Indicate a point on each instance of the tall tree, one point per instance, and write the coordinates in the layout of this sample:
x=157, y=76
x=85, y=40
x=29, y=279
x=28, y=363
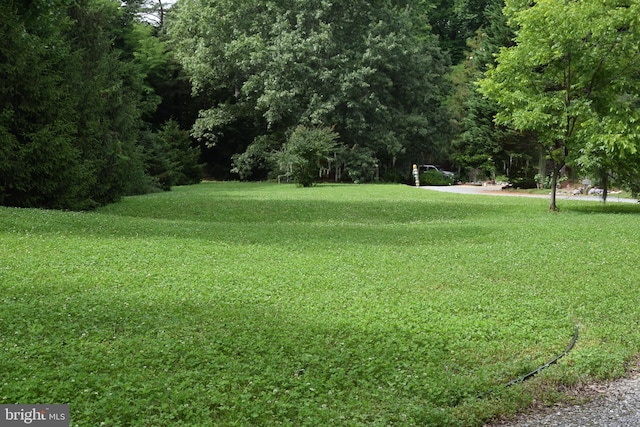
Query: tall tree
x=455, y=22
x=75, y=91
x=364, y=68
x=109, y=110
x=572, y=77
x=480, y=147
x=41, y=165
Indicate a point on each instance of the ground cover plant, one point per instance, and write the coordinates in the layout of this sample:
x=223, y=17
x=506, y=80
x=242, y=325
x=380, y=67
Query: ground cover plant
x=264, y=304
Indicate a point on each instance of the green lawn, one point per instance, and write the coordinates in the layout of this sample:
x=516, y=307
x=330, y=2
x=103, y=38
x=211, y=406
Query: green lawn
x=263, y=304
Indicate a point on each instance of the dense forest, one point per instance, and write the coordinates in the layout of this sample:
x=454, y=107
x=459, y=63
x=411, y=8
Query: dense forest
x=105, y=98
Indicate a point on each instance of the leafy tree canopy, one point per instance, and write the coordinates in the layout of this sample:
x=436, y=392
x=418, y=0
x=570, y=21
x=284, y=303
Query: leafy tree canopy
x=363, y=68
x=572, y=77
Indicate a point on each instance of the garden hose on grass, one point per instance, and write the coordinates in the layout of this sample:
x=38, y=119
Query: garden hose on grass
x=546, y=365
x=536, y=371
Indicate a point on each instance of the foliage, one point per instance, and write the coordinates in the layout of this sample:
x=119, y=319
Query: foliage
x=76, y=89
x=181, y=153
x=170, y=158
x=546, y=181
x=572, y=78
x=258, y=157
x=357, y=67
x=110, y=109
x=433, y=177
x=41, y=166
x=360, y=164
x=307, y=151
x=479, y=144
x=456, y=21
x=261, y=304
x=71, y=106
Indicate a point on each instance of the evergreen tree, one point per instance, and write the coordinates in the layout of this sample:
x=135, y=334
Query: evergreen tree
x=73, y=98
x=481, y=148
x=41, y=163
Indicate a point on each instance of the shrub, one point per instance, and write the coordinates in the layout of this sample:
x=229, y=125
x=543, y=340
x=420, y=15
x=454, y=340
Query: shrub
x=395, y=176
x=524, y=183
x=302, y=156
x=433, y=177
x=360, y=164
x=182, y=155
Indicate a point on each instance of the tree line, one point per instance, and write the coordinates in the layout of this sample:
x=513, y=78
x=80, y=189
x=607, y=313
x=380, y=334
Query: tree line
x=81, y=118
x=575, y=86
x=370, y=78
x=103, y=98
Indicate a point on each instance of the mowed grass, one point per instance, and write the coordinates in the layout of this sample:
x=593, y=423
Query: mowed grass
x=261, y=304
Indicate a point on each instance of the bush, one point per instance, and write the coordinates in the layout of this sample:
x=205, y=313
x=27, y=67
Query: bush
x=169, y=158
x=360, y=164
x=304, y=153
x=524, y=183
x=433, y=177
x=395, y=176
x=182, y=155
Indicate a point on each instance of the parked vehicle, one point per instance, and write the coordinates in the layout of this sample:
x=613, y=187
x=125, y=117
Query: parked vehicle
x=427, y=168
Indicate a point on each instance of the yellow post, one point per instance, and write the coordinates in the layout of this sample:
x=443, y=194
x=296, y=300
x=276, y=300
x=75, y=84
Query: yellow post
x=416, y=175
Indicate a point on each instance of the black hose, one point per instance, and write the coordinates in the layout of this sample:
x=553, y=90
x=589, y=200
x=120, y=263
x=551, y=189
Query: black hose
x=536, y=371
x=546, y=365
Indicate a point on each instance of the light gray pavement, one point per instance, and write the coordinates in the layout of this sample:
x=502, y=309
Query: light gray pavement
x=496, y=190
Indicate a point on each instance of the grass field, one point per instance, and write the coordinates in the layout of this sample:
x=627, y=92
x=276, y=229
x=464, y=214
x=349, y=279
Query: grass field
x=262, y=304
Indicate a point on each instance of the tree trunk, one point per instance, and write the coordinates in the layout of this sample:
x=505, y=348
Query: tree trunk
x=554, y=182
x=161, y=12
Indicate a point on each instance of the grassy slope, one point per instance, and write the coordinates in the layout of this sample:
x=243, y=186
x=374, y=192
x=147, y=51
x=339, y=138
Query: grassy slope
x=258, y=304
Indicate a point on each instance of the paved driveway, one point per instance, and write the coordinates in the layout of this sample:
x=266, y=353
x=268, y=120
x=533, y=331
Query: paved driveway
x=496, y=190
